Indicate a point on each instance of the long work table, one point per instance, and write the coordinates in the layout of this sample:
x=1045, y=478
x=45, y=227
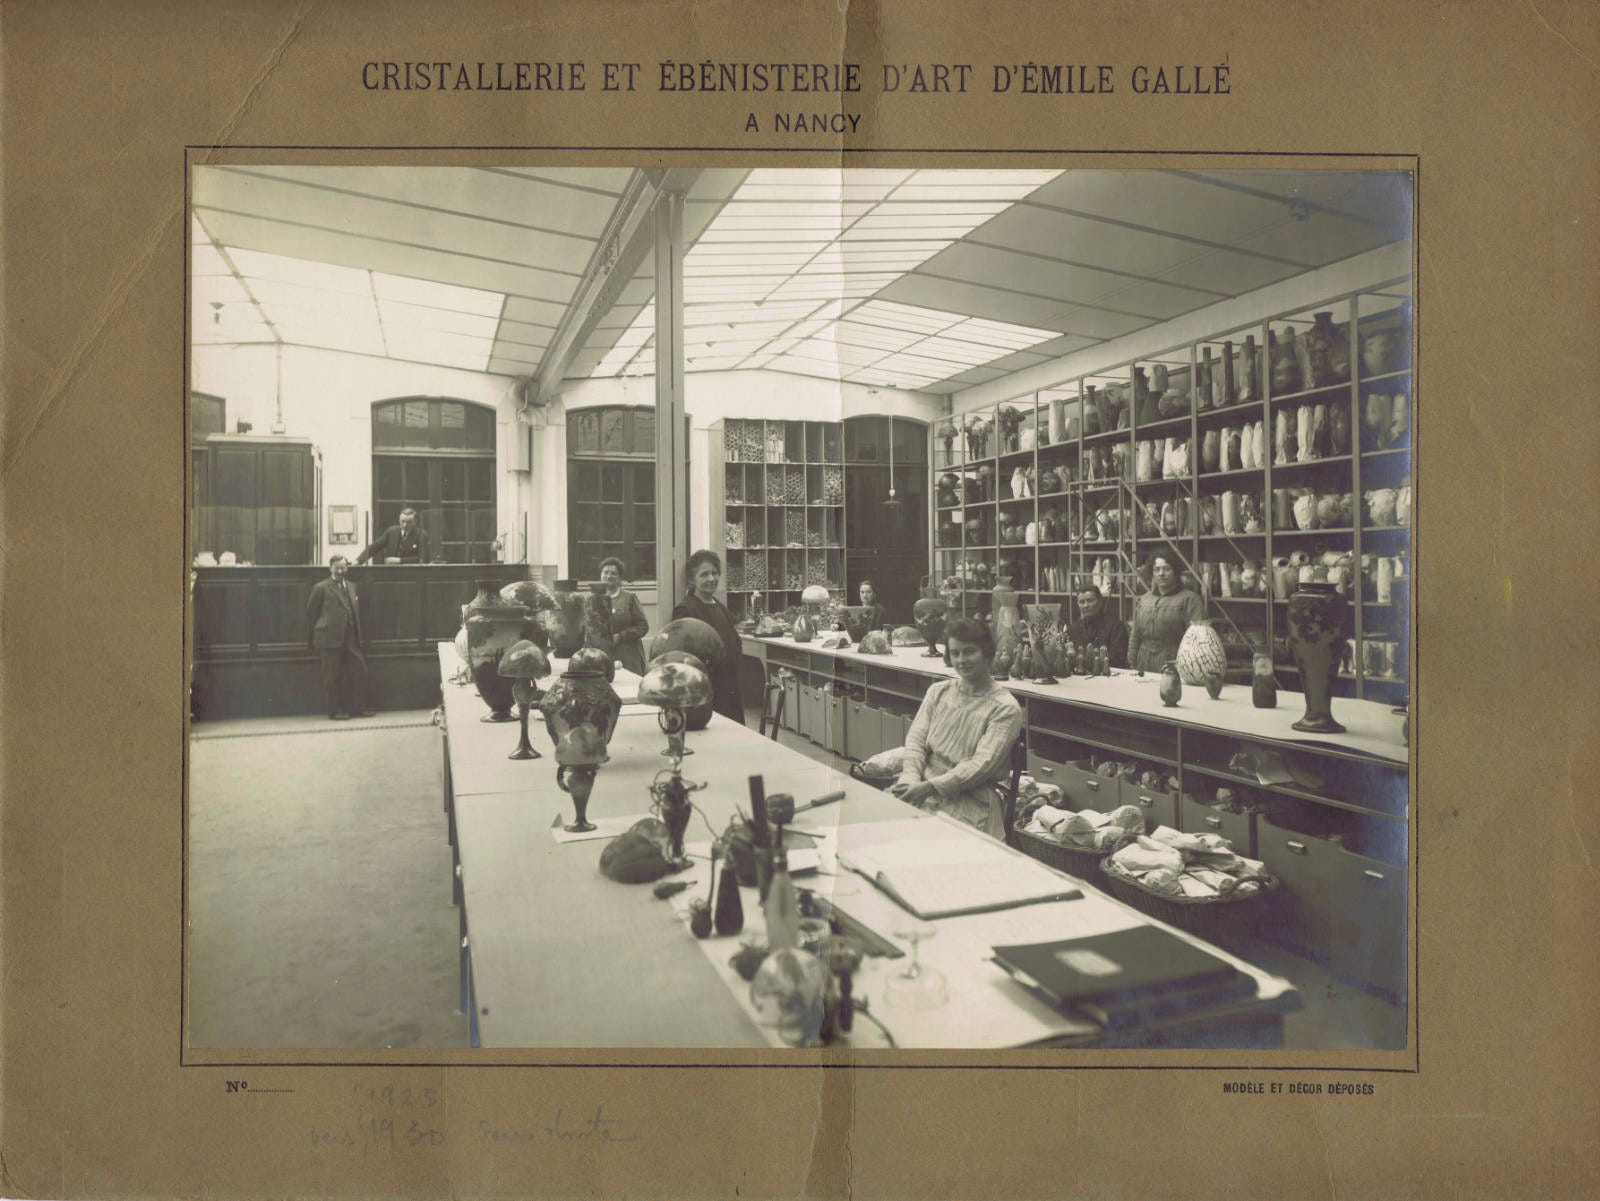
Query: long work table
x=1327, y=813
x=555, y=955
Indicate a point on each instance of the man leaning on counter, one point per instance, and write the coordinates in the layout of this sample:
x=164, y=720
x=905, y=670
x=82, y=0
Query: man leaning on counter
x=403, y=543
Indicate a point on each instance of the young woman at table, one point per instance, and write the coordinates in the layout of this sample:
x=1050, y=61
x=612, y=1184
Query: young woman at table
x=877, y=619
x=1162, y=615
x=704, y=573
x=628, y=624
x=959, y=746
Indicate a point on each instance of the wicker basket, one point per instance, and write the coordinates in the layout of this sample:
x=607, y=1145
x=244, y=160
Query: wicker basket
x=1209, y=917
x=1051, y=853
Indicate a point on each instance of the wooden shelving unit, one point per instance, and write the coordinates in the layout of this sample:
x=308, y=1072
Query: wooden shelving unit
x=777, y=509
x=1163, y=452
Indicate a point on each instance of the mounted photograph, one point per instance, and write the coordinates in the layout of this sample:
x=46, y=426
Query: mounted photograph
x=699, y=608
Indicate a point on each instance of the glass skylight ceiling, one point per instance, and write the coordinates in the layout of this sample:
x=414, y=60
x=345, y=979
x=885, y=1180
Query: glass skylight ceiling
x=782, y=278
x=248, y=296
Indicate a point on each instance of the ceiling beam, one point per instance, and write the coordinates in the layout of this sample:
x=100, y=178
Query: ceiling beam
x=628, y=237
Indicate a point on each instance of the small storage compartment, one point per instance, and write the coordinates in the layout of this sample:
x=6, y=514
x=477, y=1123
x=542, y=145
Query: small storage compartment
x=1238, y=828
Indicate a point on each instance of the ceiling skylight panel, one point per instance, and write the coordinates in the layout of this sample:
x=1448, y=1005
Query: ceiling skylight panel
x=953, y=351
x=363, y=339
x=810, y=175
x=442, y=320
x=713, y=314
x=823, y=221
x=982, y=177
x=744, y=253
x=1016, y=337
x=967, y=191
x=721, y=290
x=879, y=337
x=843, y=193
x=920, y=364
x=949, y=229
x=713, y=362
x=716, y=236
x=891, y=379
x=275, y=298
x=904, y=316
x=981, y=210
x=205, y=259
x=435, y=295
x=803, y=366
x=307, y=274
x=835, y=352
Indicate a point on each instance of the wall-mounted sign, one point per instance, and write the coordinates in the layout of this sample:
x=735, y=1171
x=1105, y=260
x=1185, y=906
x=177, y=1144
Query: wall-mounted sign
x=341, y=524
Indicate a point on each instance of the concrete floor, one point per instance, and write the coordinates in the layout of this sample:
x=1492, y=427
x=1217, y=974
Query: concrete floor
x=319, y=903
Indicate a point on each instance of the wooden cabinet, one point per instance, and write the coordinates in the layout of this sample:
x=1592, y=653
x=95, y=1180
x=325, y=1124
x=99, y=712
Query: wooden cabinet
x=264, y=497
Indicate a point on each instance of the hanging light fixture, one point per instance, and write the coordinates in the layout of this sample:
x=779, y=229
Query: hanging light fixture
x=894, y=504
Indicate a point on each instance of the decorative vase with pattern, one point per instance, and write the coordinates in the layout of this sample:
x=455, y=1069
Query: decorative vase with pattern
x=1316, y=630
x=1245, y=376
x=1201, y=654
x=1285, y=365
x=580, y=698
x=1327, y=350
x=1263, y=683
x=493, y=627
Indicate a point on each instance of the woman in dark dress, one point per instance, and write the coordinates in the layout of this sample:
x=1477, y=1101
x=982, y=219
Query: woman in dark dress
x=628, y=623
x=704, y=573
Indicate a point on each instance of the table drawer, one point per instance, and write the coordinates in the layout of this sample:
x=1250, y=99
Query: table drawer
x=1238, y=828
x=1080, y=787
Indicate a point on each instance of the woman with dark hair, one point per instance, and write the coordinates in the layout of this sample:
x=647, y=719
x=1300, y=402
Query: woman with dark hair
x=628, y=624
x=876, y=619
x=703, y=573
x=1162, y=615
x=959, y=746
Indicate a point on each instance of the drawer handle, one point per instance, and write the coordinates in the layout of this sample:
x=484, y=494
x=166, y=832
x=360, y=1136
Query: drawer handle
x=1146, y=801
x=1092, y=785
x=1372, y=875
x=1299, y=848
x=1214, y=822
x=458, y=871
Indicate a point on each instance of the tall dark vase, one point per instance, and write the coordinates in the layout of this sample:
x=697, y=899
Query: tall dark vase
x=1316, y=631
x=1327, y=351
x=581, y=698
x=1285, y=364
x=493, y=627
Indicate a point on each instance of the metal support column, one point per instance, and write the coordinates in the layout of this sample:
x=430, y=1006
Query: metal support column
x=672, y=453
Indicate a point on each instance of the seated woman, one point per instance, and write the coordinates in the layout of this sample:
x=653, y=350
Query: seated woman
x=1162, y=615
x=703, y=573
x=959, y=746
x=875, y=620
x=628, y=623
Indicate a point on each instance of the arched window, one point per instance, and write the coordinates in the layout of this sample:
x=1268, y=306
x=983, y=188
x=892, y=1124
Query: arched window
x=436, y=456
x=611, y=490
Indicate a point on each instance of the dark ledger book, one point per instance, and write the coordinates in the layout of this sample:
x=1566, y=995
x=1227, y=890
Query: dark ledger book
x=1126, y=978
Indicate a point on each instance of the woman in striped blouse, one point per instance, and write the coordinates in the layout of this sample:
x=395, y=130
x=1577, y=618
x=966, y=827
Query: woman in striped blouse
x=959, y=746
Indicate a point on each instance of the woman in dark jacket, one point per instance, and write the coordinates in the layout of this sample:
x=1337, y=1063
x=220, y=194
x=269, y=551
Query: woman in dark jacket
x=704, y=573
x=628, y=623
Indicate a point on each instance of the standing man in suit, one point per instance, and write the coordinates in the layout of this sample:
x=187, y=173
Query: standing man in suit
x=333, y=630
x=404, y=542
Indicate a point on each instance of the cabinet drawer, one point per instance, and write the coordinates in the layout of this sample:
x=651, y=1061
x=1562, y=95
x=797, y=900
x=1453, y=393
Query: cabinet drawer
x=1238, y=828
x=817, y=716
x=1080, y=787
x=895, y=728
x=1345, y=908
x=863, y=730
x=835, y=738
x=1159, y=808
x=791, y=704
x=805, y=699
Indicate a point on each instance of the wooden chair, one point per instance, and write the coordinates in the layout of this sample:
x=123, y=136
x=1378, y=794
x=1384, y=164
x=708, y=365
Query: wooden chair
x=772, y=703
x=1008, y=792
